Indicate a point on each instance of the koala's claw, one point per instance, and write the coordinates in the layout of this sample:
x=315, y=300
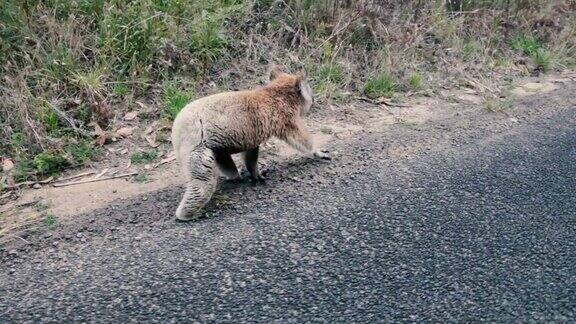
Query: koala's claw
x=258, y=180
x=324, y=155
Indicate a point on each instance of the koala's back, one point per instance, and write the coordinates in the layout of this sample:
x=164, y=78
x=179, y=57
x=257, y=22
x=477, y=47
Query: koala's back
x=229, y=121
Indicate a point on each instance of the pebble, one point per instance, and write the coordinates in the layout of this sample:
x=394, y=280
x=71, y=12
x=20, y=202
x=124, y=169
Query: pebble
x=37, y=186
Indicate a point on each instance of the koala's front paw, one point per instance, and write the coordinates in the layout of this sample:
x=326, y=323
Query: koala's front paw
x=322, y=155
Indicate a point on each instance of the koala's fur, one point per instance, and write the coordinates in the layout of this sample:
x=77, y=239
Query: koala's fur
x=207, y=131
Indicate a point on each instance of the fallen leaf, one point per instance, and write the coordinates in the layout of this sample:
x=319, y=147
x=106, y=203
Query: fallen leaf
x=149, y=129
x=141, y=104
x=7, y=165
x=101, y=139
x=124, y=132
x=151, y=139
x=166, y=160
x=100, y=134
x=130, y=115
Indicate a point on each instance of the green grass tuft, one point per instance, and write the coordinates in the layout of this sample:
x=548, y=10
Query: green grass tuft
x=82, y=152
x=542, y=59
x=416, y=81
x=174, y=100
x=527, y=44
x=381, y=85
x=144, y=157
x=49, y=220
x=50, y=163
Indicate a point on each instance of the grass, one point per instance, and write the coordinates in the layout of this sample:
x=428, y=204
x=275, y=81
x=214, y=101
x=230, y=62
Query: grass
x=50, y=220
x=380, y=85
x=174, y=100
x=68, y=64
x=141, y=177
x=498, y=105
x=144, y=157
x=542, y=59
x=416, y=81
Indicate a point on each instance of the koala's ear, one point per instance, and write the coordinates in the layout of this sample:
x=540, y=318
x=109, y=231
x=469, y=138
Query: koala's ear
x=301, y=75
x=300, y=79
x=274, y=72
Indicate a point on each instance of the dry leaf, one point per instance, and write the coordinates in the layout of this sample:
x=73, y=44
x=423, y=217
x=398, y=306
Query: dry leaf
x=101, y=139
x=149, y=129
x=131, y=115
x=151, y=139
x=124, y=132
x=7, y=165
x=141, y=104
x=100, y=134
x=168, y=159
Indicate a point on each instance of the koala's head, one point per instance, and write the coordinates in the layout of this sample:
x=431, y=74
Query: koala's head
x=297, y=82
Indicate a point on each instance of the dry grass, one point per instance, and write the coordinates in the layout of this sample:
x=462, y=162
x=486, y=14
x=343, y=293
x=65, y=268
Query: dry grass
x=67, y=64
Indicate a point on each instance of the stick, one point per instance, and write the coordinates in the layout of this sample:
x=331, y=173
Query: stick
x=101, y=174
x=75, y=176
x=94, y=180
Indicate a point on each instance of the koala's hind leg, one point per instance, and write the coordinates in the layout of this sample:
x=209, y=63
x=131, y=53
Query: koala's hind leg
x=251, y=162
x=227, y=165
x=202, y=181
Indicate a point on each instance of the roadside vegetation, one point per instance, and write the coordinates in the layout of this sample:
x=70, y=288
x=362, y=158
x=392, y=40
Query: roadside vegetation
x=73, y=70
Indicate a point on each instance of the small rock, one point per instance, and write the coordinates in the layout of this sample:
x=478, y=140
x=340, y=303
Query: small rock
x=37, y=186
x=79, y=235
x=138, y=238
x=12, y=252
x=514, y=120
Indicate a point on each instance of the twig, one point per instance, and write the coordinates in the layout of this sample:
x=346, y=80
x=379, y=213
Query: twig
x=94, y=180
x=101, y=173
x=47, y=180
x=75, y=176
x=381, y=102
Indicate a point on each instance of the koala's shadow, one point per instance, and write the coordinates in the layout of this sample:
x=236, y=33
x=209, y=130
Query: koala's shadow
x=275, y=173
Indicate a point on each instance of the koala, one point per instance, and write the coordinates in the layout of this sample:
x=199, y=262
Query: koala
x=209, y=130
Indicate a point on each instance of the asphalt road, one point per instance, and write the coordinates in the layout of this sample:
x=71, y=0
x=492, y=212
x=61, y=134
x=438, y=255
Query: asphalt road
x=484, y=230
